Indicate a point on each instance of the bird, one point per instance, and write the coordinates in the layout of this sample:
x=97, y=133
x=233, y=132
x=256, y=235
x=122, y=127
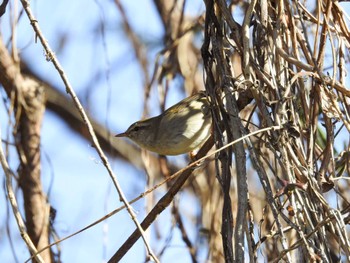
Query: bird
x=180, y=129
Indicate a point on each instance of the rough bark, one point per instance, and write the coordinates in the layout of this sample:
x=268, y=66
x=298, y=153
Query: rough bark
x=28, y=102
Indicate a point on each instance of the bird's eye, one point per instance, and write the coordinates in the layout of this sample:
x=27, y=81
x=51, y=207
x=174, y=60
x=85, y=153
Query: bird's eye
x=136, y=128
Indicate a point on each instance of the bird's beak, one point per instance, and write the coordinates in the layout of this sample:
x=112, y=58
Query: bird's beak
x=123, y=134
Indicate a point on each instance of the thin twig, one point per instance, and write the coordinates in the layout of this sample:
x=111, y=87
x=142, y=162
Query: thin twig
x=50, y=56
x=14, y=204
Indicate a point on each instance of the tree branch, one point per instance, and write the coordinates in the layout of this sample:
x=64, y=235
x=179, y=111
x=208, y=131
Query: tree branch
x=29, y=110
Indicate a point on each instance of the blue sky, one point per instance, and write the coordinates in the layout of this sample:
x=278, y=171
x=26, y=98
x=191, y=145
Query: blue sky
x=81, y=189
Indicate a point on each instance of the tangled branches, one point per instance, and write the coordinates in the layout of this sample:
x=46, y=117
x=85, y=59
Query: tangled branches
x=294, y=59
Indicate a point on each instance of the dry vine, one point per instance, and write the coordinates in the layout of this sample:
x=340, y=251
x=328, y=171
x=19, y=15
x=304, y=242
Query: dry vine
x=285, y=52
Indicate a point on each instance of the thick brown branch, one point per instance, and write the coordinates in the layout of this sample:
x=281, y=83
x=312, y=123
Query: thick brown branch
x=29, y=110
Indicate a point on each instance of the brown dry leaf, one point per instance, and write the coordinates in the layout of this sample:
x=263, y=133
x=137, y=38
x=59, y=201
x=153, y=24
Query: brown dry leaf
x=329, y=104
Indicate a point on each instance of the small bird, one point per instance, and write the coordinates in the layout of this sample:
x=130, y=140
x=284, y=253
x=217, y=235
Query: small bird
x=180, y=129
